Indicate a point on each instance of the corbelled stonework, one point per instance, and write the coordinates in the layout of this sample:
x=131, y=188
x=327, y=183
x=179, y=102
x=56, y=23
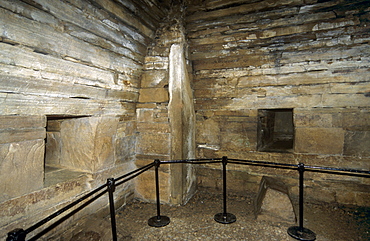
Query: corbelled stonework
x=309, y=56
x=69, y=82
x=94, y=89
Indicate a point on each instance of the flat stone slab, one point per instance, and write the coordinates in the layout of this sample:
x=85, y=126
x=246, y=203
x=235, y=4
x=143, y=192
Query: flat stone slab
x=273, y=202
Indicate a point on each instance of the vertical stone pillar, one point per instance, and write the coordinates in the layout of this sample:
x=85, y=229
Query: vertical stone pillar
x=182, y=122
x=165, y=114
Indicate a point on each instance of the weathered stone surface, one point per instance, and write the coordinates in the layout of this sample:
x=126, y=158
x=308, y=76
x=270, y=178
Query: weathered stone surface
x=357, y=143
x=154, y=78
x=357, y=121
x=249, y=7
x=20, y=163
x=20, y=122
x=319, y=140
x=53, y=148
x=273, y=202
x=153, y=95
x=88, y=143
x=324, y=120
x=208, y=132
x=145, y=184
x=21, y=128
x=153, y=143
x=17, y=135
x=153, y=127
x=65, y=59
x=40, y=203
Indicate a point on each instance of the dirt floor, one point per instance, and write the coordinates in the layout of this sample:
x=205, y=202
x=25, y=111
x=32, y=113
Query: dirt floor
x=195, y=221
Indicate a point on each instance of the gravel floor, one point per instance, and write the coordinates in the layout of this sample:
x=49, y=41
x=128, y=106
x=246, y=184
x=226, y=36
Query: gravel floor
x=195, y=221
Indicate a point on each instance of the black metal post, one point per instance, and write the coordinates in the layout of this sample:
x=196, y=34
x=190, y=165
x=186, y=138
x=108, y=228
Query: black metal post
x=111, y=188
x=16, y=235
x=158, y=221
x=224, y=217
x=299, y=232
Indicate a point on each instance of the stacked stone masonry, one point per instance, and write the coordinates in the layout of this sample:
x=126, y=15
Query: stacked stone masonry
x=85, y=94
x=309, y=56
x=69, y=83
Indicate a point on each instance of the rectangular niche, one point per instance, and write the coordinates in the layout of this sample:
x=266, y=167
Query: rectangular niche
x=275, y=130
x=54, y=168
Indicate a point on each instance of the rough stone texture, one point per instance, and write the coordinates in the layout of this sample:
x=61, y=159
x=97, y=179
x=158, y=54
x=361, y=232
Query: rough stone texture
x=53, y=149
x=88, y=143
x=153, y=95
x=64, y=60
x=21, y=162
x=319, y=140
x=250, y=55
x=82, y=58
x=273, y=202
x=154, y=144
x=356, y=143
x=21, y=128
x=167, y=128
x=146, y=190
x=22, y=155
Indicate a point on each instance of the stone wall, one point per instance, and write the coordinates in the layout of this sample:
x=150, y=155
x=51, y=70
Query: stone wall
x=309, y=56
x=70, y=74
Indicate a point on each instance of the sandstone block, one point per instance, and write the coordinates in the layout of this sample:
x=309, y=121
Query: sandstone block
x=153, y=95
x=153, y=127
x=322, y=120
x=357, y=121
x=21, y=128
x=145, y=186
x=273, y=202
x=18, y=135
x=88, y=143
x=153, y=144
x=22, y=122
x=319, y=140
x=357, y=143
x=52, y=148
x=235, y=142
x=208, y=132
x=20, y=163
x=154, y=78
x=125, y=150
x=145, y=115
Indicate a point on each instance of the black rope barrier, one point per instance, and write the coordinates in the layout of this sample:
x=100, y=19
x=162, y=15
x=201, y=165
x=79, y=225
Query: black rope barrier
x=64, y=218
x=140, y=170
x=194, y=161
x=66, y=208
x=297, y=232
x=20, y=234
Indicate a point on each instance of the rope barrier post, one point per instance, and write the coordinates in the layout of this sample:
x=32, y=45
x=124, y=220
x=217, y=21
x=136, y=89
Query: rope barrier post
x=158, y=221
x=111, y=188
x=299, y=232
x=16, y=235
x=225, y=217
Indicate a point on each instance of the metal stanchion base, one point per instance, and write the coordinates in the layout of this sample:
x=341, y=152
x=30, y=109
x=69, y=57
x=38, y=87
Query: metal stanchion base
x=158, y=221
x=301, y=233
x=225, y=218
